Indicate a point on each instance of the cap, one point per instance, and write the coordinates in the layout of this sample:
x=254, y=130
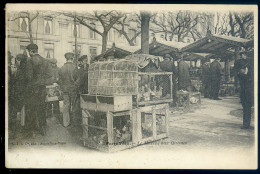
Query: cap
x=32, y=47
x=83, y=58
x=53, y=61
x=69, y=55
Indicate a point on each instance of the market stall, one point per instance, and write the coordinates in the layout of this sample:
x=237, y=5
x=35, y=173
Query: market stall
x=125, y=106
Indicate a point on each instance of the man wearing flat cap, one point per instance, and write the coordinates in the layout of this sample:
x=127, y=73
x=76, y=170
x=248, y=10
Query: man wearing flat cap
x=83, y=71
x=38, y=71
x=69, y=83
x=244, y=70
x=168, y=66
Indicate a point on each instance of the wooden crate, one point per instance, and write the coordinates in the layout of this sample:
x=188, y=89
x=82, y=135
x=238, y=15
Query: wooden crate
x=102, y=134
x=104, y=103
x=150, y=123
x=185, y=100
x=100, y=128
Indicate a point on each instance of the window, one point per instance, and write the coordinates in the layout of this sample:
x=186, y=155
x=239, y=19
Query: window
x=47, y=26
x=93, y=52
x=92, y=34
x=78, y=50
x=24, y=24
x=75, y=32
x=49, y=50
x=132, y=33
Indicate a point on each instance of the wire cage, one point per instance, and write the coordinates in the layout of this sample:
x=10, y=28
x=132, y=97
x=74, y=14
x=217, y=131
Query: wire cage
x=154, y=88
x=113, y=78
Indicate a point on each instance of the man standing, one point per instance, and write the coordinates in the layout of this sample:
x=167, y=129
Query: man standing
x=184, y=81
x=206, y=78
x=244, y=70
x=215, y=74
x=69, y=82
x=38, y=71
x=83, y=71
x=168, y=66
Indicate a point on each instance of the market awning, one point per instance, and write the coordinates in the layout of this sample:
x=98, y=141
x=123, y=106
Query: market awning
x=217, y=44
x=164, y=47
x=118, y=51
x=196, y=56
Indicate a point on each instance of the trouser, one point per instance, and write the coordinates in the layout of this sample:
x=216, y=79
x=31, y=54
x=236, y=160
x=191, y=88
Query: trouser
x=36, y=117
x=166, y=85
x=71, y=109
x=246, y=116
x=206, y=87
x=215, y=86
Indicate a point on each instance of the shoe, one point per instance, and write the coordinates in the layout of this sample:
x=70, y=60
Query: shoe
x=245, y=127
x=217, y=99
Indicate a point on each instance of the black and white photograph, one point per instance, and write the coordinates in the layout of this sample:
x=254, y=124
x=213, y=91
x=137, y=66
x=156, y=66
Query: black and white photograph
x=131, y=86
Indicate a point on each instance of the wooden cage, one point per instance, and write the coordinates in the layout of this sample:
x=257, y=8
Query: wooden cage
x=115, y=131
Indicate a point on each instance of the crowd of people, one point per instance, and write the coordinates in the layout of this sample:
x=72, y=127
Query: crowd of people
x=28, y=76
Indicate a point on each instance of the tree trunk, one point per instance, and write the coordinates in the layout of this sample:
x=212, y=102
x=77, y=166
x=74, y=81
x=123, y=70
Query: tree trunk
x=104, y=42
x=30, y=31
x=145, y=19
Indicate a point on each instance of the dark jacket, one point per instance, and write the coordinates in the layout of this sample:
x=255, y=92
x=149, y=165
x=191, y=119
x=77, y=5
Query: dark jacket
x=38, y=71
x=246, y=81
x=83, y=86
x=205, y=74
x=184, y=80
x=215, y=71
x=69, y=78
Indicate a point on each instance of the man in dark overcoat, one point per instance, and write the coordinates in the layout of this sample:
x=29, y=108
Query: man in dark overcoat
x=244, y=69
x=215, y=74
x=184, y=81
x=38, y=71
x=83, y=72
x=205, y=77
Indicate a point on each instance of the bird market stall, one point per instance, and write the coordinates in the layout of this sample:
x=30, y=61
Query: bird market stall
x=120, y=110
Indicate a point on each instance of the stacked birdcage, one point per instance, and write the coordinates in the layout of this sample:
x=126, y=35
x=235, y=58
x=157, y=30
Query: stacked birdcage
x=113, y=78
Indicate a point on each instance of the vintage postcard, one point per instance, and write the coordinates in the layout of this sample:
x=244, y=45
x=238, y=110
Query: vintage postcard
x=131, y=86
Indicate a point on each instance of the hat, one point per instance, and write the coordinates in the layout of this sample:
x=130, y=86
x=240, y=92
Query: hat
x=69, y=55
x=83, y=58
x=53, y=61
x=32, y=47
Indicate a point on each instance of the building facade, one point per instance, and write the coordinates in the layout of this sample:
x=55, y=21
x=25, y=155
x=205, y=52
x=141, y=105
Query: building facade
x=55, y=36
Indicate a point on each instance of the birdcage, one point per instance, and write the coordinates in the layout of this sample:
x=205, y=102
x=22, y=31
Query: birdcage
x=113, y=78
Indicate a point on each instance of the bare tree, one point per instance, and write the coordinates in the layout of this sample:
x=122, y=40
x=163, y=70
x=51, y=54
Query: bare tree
x=180, y=23
x=123, y=27
x=235, y=24
x=106, y=18
x=31, y=16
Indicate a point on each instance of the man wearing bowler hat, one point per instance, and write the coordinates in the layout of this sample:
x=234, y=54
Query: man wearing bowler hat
x=38, y=71
x=69, y=82
x=215, y=75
